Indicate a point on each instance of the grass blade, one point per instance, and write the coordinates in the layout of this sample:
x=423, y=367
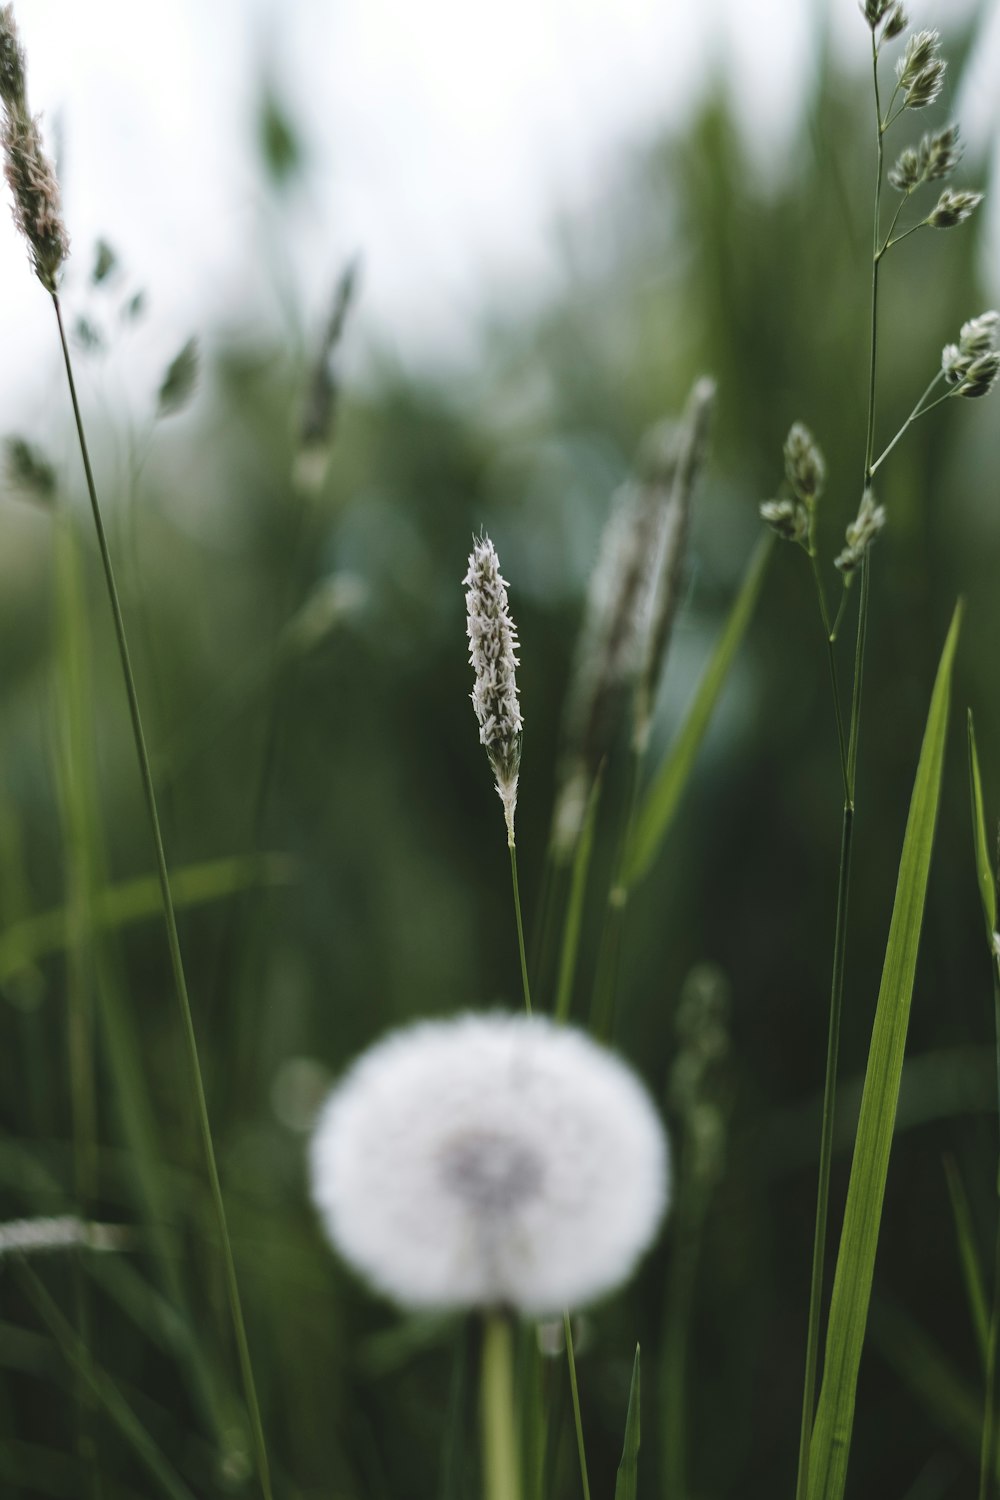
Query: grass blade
x=981, y=841
x=831, y=1439
x=972, y=1271
x=30, y=939
x=627, y=1483
x=657, y=811
x=105, y=1390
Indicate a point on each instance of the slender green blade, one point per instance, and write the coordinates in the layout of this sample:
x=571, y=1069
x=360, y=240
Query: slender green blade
x=972, y=1271
x=627, y=1483
x=831, y=1440
x=574, y=911
x=106, y=1391
x=980, y=840
x=657, y=811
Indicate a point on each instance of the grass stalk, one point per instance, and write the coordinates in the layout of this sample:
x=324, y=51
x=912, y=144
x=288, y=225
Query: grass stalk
x=501, y=1462
x=173, y=939
x=849, y=772
x=520, y=925
x=577, y=1418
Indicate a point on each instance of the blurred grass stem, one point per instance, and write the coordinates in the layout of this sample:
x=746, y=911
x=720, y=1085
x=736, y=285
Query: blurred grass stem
x=577, y=1418
x=173, y=939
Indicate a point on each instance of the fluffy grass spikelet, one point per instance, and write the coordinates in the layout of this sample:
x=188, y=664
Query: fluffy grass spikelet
x=32, y=180
x=492, y=653
x=972, y=365
x=490, y=1161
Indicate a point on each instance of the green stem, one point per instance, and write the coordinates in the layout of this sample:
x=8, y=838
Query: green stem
x=870, y=439
x=825, y=1153
x=501, y=1467
x=904, y=236
x=843, y=885
x=520, y=925
x=988, y=1464
x=173, y=939
x=831, y=637
x=918, y=411
x=577, y=1418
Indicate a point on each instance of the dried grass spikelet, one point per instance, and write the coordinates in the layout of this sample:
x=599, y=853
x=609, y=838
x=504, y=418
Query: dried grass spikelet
x=493, y=656
x=630, y=608
x=34, y=188
x=490, y=1161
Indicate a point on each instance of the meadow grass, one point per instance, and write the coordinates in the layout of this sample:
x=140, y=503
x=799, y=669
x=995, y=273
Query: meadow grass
x=365, y=1406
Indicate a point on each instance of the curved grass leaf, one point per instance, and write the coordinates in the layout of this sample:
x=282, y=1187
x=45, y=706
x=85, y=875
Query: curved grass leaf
x=657, y=811
x=626, y=1485
x=831, y=1439
x=24, y=942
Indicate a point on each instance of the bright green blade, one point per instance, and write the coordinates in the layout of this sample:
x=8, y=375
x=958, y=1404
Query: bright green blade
x=627, y=1483
x=657, y=811
x=24, y=942
x=831, y=1440
x=980, y=840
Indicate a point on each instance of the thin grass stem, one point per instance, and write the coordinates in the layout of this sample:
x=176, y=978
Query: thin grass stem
x=825, y=1152
x=919, y=410
x=173, y=939
x=520, y=926
x=831, y=637
x=577, y=1418
x=609, y=953
x=844, y=875
x=574, y=911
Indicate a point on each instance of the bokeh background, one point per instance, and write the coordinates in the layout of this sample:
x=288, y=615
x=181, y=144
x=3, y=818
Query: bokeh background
x=557, y=221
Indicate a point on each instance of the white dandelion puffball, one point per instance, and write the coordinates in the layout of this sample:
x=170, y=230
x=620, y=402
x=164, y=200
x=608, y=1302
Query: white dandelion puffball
x=490, y=1160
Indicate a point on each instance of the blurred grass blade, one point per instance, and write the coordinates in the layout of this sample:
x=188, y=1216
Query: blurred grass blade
x=949, y=1400
x=981, y=840
x=660, y=804
x=24, y=942
x=574, y=910
x=627, y=1483
x=831, y=1440
x=104, y=1389
x=972, y=1271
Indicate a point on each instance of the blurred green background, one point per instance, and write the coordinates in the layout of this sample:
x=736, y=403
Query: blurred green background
x=335, y=766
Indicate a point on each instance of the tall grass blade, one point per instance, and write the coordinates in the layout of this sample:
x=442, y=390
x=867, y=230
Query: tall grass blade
x=657, y=811
x=981, y=840
x=574, y=911
x=831, y=1441
x=627, y=1483
x=105, y=1390
x=968, y=1254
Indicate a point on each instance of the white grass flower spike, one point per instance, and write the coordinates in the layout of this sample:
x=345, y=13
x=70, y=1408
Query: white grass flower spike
x=493, y=654
x=490, y=1161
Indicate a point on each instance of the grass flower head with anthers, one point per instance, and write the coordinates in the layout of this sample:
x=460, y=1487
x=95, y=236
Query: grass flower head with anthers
x=490, y=1161
x=493, y=655
x=33, y=184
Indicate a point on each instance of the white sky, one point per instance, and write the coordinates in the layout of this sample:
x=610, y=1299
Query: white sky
x=443, y=137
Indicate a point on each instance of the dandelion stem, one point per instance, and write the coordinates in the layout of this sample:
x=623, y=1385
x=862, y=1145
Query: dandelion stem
x=173, y=939
x=577, y=1418
x=501, y=1468
x=520, y=925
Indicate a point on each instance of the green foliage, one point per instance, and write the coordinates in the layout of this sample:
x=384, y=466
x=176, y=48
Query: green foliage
x=627, y=1483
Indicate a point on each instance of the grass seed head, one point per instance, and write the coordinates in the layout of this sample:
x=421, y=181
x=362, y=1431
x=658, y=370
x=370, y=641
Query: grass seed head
x=493, y=655
x=32, y=180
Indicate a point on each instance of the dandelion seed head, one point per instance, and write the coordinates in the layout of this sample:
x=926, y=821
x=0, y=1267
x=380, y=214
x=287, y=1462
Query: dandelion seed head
x=490, y=1160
